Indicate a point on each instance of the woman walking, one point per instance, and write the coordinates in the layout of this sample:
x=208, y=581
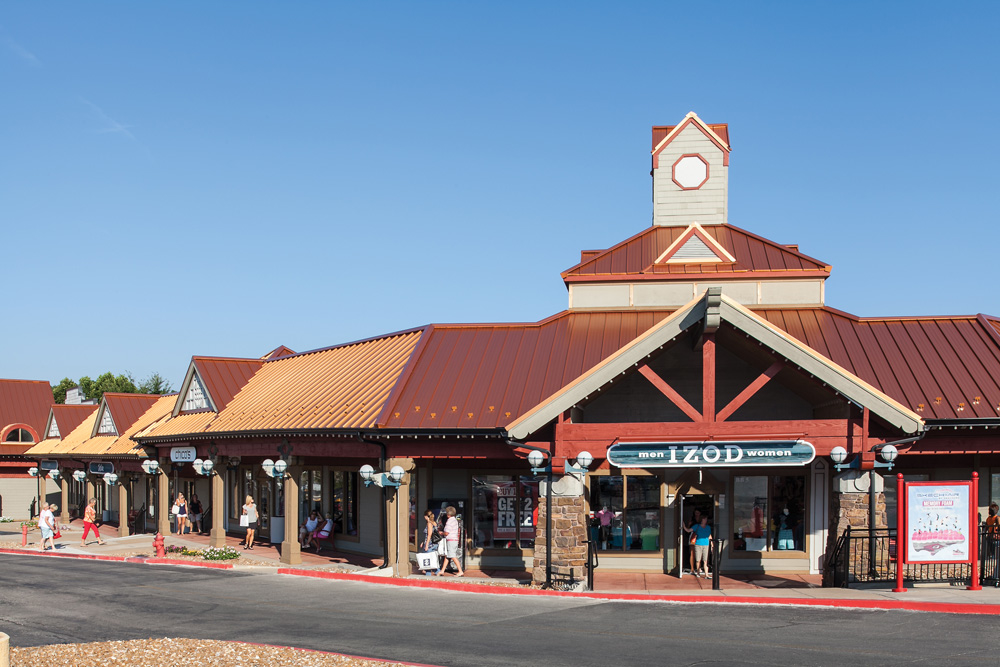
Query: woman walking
x=47, y=524
x=182, y=513
x=250, y=511
x=89, y=517
x=430, y=529
x=452, y=533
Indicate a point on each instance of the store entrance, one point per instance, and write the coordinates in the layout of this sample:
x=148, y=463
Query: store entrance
x=690, y=508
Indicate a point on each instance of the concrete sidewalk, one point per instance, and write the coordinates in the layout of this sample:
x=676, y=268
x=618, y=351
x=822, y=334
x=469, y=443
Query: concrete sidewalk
x=608, y=586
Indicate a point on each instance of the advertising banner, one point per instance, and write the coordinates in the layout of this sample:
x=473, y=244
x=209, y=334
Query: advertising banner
x=508, y=517
x=711, y=454
x=938, y=523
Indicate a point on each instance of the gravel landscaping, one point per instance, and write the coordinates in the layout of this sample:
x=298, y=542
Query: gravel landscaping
x=169, y=652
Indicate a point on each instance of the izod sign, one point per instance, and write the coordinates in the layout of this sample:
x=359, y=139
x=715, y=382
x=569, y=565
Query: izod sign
x=711, y=454
x=183, y=454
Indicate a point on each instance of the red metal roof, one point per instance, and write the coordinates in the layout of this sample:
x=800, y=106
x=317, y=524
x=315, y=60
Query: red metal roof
x=939, y=367
x=68, y=417
x=126, y=409
x=25, y=402
x=635, y=258
x=224, y=377
x=485, y=376
x=660, y=131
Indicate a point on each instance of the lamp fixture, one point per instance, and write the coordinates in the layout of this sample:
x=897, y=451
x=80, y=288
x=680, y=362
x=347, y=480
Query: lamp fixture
x=838, y=455
x=149, y=466
x=393, y=478
x=110, y=478
x=79, y=475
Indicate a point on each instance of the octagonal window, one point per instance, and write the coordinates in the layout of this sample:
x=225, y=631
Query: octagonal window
x=690, y=172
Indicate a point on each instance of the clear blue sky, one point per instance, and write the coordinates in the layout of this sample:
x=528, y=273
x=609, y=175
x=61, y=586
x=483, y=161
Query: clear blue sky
x=221, y=178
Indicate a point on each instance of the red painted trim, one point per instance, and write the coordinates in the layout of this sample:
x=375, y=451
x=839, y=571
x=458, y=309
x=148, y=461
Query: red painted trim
x=670, y=393
x=453, y=585
x=708, y=378
x=751, y=389
x=673, y=172
x=708, y=135
x=727, y=275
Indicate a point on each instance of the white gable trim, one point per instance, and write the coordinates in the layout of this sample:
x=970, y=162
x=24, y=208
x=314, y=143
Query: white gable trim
x=705, y=308
x=105, y=422
x=51, y=427
x=681, y=125
x=191, y=377
x=722, y=255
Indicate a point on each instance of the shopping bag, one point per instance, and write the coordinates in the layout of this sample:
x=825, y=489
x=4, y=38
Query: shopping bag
x=245, y=521
x=442, y=548
x=427, y=560
x=175, y=509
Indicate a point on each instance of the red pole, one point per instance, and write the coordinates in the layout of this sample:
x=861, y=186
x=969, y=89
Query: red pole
x=900, y=533
x=974, y=537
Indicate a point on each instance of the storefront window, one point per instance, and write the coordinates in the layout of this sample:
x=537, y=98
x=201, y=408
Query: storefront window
x=643, y=513
x=504, y=511
x=345, y=502
x=769, y=512
x=625, y=512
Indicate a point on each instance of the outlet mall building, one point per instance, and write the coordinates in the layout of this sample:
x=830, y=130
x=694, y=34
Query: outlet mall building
x=697, y=362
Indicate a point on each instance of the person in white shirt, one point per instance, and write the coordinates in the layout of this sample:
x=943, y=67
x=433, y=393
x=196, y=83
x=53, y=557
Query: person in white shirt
x=308, y=528
x=47, y=523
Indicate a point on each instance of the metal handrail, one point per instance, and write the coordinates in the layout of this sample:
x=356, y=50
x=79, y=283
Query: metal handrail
x=592, y=563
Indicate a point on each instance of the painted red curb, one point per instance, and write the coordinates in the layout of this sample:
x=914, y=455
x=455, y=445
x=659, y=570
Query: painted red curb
x=343, y=655
x=882, y=605
x=50, y=554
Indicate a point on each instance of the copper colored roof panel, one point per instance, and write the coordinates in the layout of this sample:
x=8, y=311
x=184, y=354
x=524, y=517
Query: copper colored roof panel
x=69, y=440
x=126, y=409
x=25, y=402
x=343, y=387
x=636, y=256
x=224, y=377
x=156, y=414
x=68, y=417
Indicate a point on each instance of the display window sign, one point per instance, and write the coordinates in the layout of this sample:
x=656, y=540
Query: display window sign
x=938, y=522
x=183, y=454
x=48, y=465
x=511, y=515
x=711, y=454
x=101, y=467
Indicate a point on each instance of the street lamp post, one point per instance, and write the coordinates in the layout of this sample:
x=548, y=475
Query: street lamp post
x=536, y=459
x=889, y=453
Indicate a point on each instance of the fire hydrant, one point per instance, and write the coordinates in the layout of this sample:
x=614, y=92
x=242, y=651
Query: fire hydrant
x=24, y=535
x=161, y=551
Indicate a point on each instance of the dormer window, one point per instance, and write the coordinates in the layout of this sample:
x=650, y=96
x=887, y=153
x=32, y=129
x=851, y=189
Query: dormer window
x=107, y=426
x=195, y=398
x=53, y=430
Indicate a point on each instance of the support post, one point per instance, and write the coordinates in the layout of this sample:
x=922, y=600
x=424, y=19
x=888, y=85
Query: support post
x=123, y=508
x=63, y=498
x=900, y=534
x=163, y=498
x=217, y=535
x=548, y=527
x=974, y=537
x=291, y=550
x=398, y=513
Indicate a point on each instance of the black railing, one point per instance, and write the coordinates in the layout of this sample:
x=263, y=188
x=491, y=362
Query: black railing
x=867, y=556
x=592, y=563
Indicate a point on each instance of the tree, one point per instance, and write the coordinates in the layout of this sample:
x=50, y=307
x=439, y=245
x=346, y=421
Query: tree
x=155, y=384
x=95, y=389
x=59, y=391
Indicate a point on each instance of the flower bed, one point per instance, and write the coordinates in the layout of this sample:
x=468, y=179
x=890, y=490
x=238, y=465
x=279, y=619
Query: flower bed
x=211, y=553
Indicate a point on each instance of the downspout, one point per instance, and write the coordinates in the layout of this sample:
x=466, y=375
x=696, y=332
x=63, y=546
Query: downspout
x=385, y=514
